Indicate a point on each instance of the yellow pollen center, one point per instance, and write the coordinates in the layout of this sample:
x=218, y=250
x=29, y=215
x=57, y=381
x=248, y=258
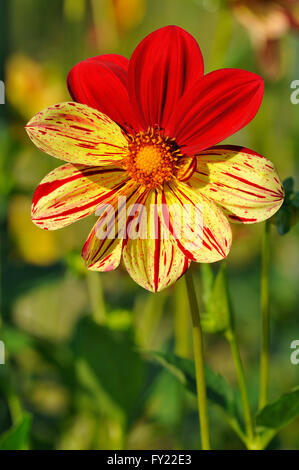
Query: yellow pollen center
x=152, y=158
x=148, y=159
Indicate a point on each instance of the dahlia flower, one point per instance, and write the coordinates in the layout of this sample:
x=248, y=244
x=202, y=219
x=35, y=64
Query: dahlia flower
x=144, y=132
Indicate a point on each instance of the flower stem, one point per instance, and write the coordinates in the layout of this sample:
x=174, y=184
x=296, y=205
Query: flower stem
x=264, y=371
x=181, y=326
x=199, y=363
x=231, y=338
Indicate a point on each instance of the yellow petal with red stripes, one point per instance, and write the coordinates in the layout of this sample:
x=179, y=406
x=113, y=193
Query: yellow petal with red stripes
x=77, y=133
x=199, y=227
x=243, y=182
x=71, y=192
x=150, y=253
x=103, y=247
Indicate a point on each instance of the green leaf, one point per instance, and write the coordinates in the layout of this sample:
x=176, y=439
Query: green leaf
x=283, y=219
x=295, y=200
x=288, y=185
x=167, y=398
x=17, y=437
x=216, y=318
x=218, y=391
x=286, y=217
x=108, y=365
x=281, y=412
x=288, y=214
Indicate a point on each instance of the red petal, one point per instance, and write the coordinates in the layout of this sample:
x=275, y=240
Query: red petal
x=217, y=106
x=101, y=82
x=163, y=67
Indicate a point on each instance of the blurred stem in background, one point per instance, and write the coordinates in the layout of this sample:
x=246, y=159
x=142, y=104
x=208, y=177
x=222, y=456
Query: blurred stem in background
x=199, y=363
x=231, y=338
x=264, y=371
x=230, y=335
x=181, y=325
x=222, y=38
x=95, y=288
x=74, y=10
x=148, y=314
x=100, y=10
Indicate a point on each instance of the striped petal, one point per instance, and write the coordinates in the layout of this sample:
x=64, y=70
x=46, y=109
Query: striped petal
x=199, y=227
x=78, y=134
x=103, y=247
x=71, y=192
x=107, y=256
x=150, y=253
x=243, y=182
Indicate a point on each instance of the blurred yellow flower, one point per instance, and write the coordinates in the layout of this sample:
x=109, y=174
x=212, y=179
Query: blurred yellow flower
x=33, y=245
x=128, y=14
x=31, y=86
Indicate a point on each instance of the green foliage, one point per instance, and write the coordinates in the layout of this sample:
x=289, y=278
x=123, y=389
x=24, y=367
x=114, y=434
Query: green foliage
x=167, y=399
x=281, y=412
x=108, y=366
x=218, y=391
x=17, y=438
x=8, y=147
x=288, y=214
x=15, y=340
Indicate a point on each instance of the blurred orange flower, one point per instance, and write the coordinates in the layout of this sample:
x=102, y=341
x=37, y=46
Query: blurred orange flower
x=267, y=21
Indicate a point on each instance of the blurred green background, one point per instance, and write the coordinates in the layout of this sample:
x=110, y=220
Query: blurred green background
x=78, y=344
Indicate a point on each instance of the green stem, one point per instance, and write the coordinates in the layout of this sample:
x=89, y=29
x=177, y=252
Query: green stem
x=231, y=338
x=233, y=423
x=181, y=326
x=199, y=363
x=94, y=283
x=264, y=371
x=230, y=335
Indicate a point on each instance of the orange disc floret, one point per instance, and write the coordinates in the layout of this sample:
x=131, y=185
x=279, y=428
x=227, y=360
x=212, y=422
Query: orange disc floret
x=152, y=158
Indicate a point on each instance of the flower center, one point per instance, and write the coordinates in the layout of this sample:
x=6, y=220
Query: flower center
x=148, y=159
x=152, y=158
